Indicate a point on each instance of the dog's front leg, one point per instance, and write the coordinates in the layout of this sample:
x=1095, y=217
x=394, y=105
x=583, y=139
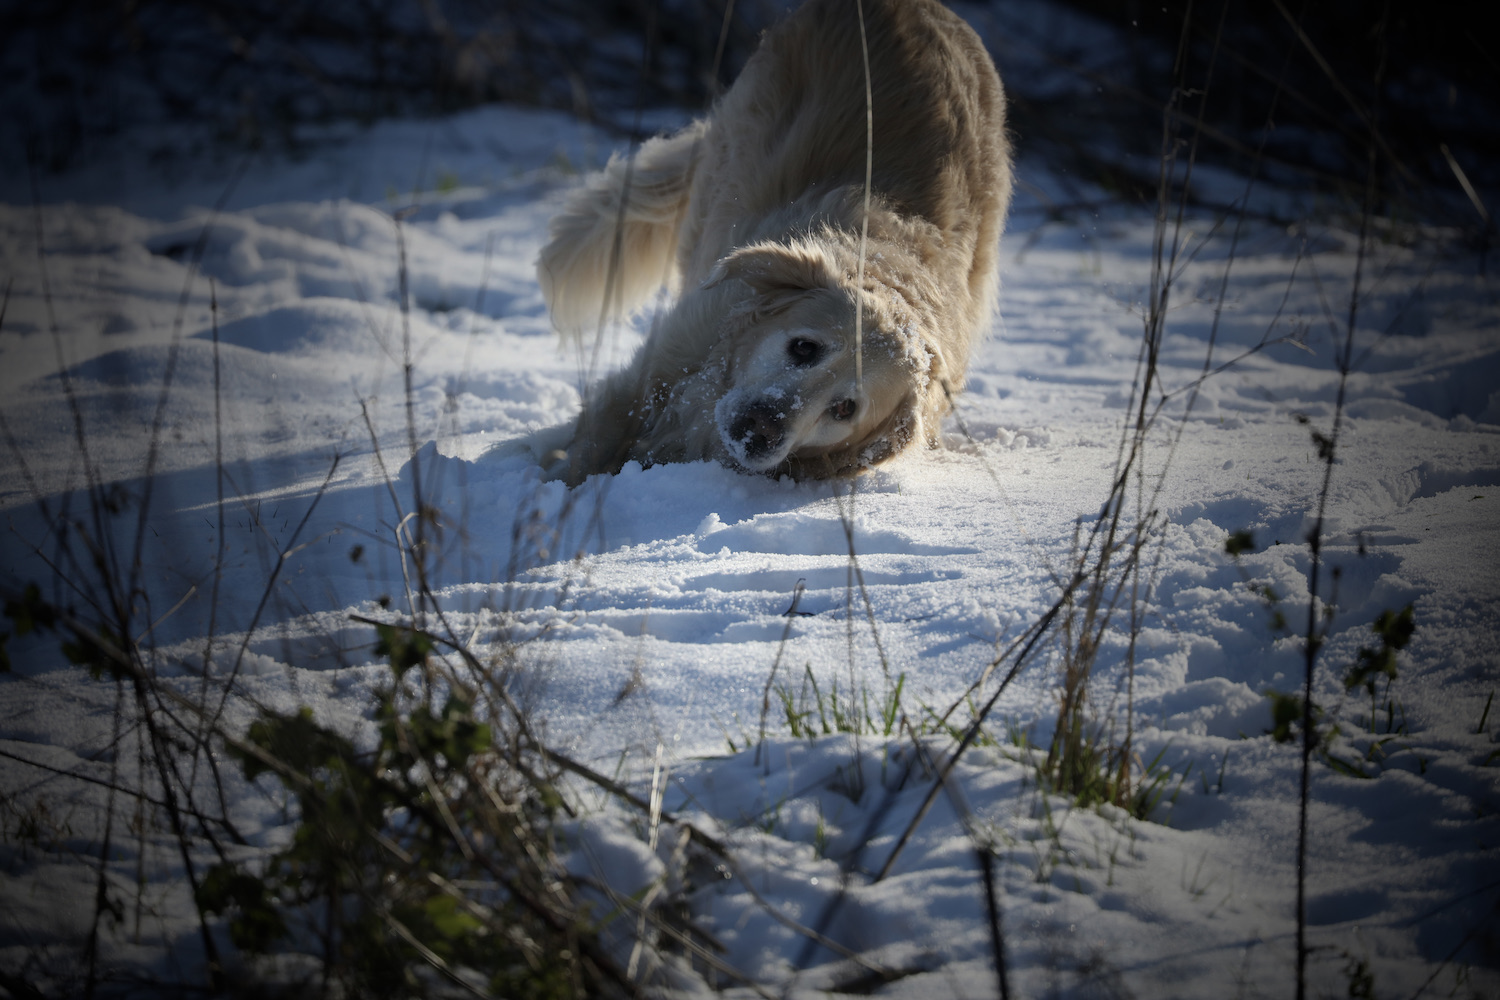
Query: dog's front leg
x=615, y=413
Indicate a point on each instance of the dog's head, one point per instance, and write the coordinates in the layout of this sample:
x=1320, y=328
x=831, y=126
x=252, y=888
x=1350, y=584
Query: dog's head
x=795, y=396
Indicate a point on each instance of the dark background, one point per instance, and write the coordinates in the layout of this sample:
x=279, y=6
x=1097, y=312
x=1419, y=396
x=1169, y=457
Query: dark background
x=1328, y=74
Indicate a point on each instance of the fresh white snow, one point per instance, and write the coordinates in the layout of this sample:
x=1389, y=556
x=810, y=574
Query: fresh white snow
x=649, y=605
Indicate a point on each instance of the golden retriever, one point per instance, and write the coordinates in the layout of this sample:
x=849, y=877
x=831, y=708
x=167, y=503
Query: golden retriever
x=757, y=220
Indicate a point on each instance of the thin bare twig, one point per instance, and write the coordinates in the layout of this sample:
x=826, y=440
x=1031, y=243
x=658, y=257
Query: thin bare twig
x=1316, y=633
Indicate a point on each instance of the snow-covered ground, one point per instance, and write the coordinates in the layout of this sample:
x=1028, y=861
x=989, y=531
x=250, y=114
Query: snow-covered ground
x=650, y=605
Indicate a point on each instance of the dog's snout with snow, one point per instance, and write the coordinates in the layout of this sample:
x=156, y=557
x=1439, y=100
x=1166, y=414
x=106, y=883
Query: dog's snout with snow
x=759, y=430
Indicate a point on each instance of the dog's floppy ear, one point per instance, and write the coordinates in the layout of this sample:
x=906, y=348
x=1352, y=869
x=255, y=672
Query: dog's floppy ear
x=770, y=266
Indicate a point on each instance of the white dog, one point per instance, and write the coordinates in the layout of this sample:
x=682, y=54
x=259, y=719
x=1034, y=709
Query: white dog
x=757, y=215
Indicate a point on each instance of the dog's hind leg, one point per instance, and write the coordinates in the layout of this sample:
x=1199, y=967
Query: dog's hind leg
x=614, y=242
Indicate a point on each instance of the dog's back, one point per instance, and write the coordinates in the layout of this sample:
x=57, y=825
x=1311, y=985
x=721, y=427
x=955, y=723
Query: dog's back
x=795, y=125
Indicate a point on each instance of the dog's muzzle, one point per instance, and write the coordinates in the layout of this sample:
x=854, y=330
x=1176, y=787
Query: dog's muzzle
x=758, y=430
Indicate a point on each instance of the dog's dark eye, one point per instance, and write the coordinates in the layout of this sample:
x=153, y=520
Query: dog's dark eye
x=842, y=410
x=803, y=351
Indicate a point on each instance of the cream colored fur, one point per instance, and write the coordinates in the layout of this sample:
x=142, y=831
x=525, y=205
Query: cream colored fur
x=752, y=219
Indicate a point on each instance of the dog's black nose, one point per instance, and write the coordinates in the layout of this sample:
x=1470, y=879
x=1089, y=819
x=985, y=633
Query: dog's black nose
x=758, y=429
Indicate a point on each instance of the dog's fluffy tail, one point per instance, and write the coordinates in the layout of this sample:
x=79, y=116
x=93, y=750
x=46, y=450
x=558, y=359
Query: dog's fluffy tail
x=600, y=250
